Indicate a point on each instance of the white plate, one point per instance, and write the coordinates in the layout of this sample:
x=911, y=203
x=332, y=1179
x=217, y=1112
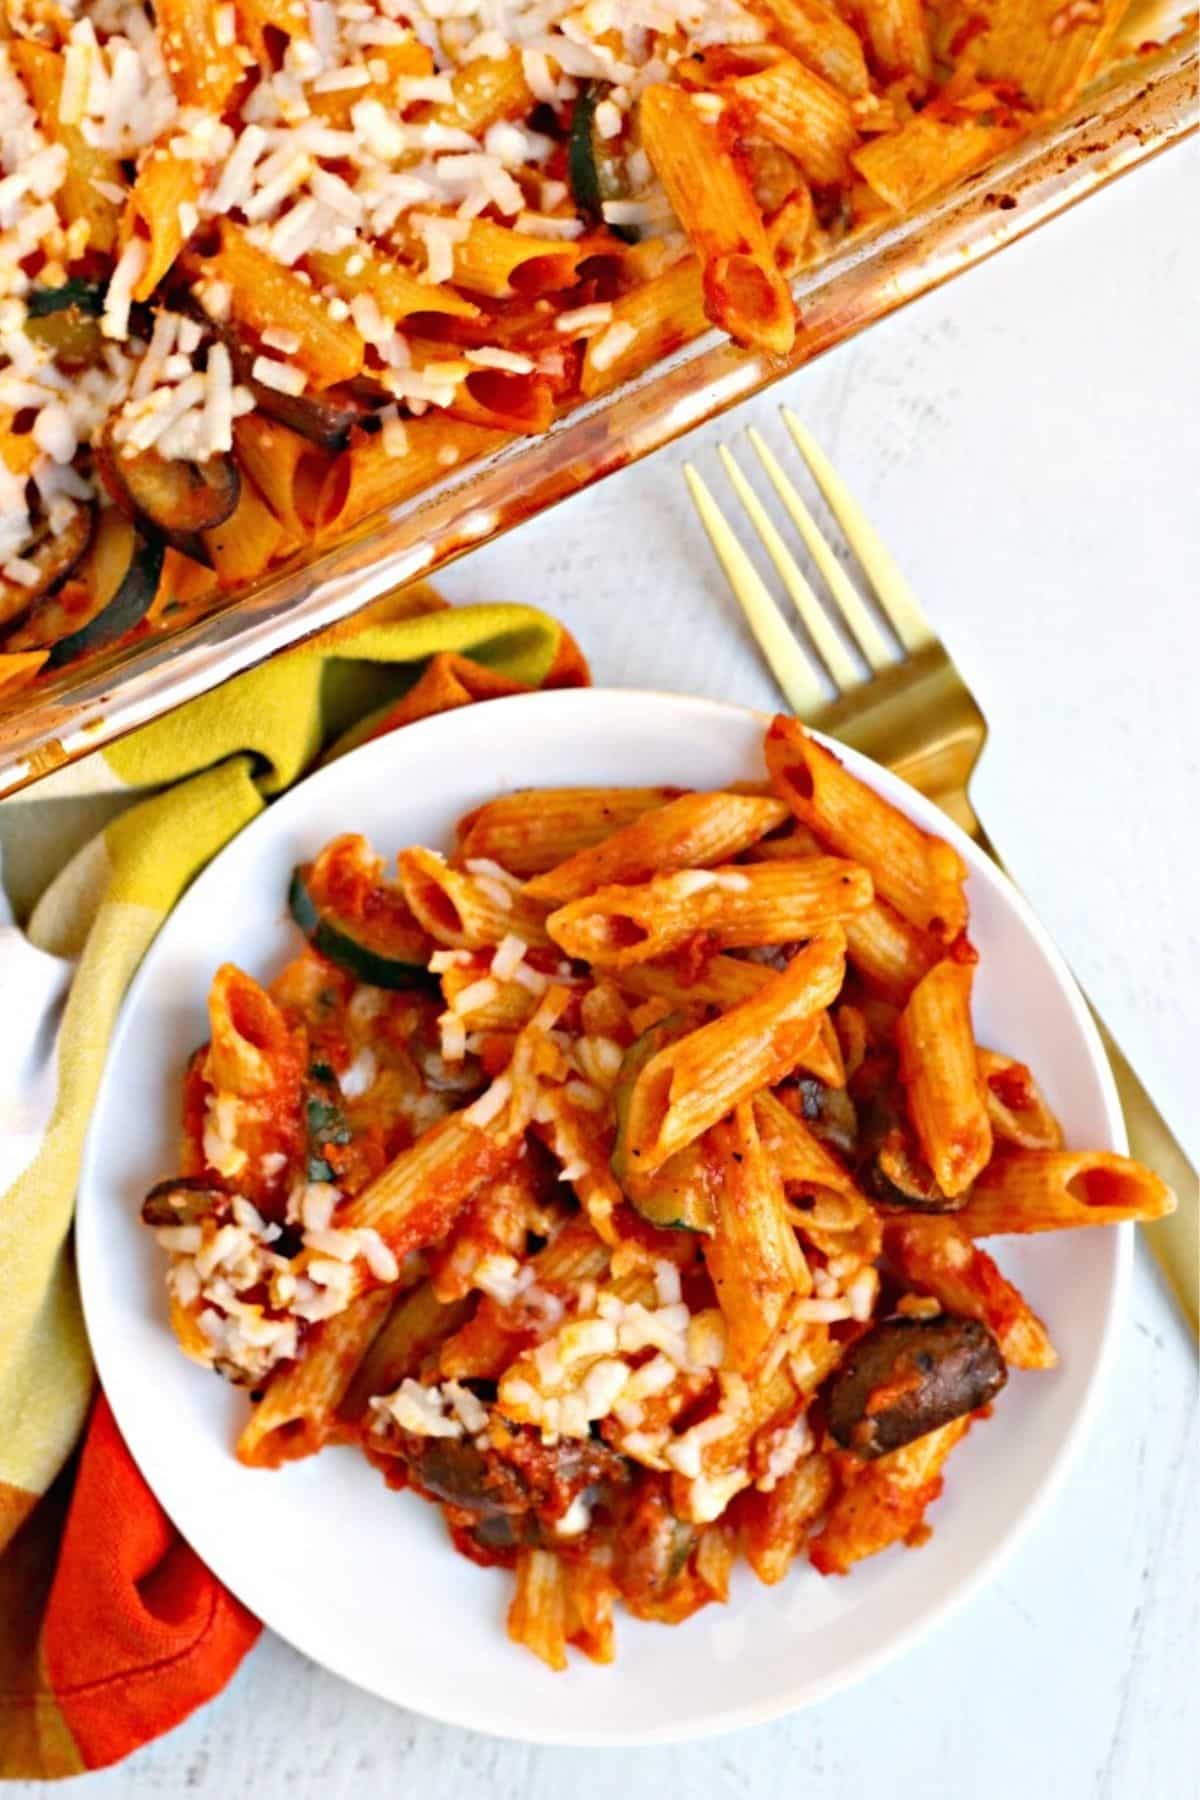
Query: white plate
x=364, y=1580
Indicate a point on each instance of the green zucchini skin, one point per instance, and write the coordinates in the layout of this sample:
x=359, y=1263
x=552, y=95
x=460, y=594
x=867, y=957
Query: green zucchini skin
x=339, y=944
x=594, y=177
x=127, y=607
x=83, y=296
x=678, y=1198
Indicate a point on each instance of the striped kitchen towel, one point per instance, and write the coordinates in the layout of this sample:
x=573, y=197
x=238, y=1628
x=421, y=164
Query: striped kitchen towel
x=111, y=1630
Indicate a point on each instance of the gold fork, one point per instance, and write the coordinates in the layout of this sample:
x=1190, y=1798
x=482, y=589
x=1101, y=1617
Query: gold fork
x=912, y=712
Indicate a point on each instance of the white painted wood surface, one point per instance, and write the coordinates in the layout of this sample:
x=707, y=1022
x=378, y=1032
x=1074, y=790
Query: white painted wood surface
x=1027, y=440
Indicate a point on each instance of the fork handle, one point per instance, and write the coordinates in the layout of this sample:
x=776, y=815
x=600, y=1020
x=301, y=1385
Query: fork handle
x=1174, y=1240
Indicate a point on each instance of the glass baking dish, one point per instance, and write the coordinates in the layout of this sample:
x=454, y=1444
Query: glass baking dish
x=1136, y=110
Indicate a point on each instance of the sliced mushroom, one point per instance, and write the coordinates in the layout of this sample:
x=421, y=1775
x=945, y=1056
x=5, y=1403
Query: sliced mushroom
x=906, y=1377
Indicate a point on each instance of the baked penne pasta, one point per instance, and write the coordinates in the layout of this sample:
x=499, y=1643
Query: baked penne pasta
x=1053, y=1190
x=713, y=202
x=805, y=115
x=534, y=831
x=687, y=833
x=940, y=1074
x=921, y=876
x=630, y=1272
x=691, y=1084
x=936, y=1256
x=404, y=240
x=1016, y=1107
x=756, y=1263
x=642, y=326
x=298, y=1410
x=472, y=907
x=928, y=154
x=762, y=903
x=890, y=954
x=884, y=1501
x=819, y=35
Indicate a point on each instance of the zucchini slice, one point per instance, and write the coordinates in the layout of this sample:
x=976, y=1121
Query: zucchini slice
x=359, y=921
x=595, y=173
x=179, y=499
x=53, y=558
x=123, y=574
x=679, y=1196
x=67, y=319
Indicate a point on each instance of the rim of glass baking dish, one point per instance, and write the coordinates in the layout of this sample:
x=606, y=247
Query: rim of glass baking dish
x=1136, y=111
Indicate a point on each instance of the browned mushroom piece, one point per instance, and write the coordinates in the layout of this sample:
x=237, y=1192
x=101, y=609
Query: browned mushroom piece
x=906, y=1377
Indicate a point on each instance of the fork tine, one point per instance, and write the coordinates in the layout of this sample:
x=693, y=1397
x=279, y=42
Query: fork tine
x=796, y=676
x=894, y=594
x=863, y=627
x=833, y=653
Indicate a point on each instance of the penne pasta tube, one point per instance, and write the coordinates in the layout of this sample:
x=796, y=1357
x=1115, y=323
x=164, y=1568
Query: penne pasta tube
x=537, y=1615
x=395, y=289
x=536, y=830
x=496, y=261
x=505, y=399
x=270, y=454
x=370, y=475
x=805, y=115
x=1015, y=1104
x=298, y=1410
x=470, y=908
x=485, y=90
x=256, y=17
x=883, y=1501
x=492, y=1006
x=890, y=954
x=921, y=876
x=753, y=1257
x=692, y=1083
x=203, y=63
x=798, y=1153
x=413, y=1326
x=1047, y=53
x=164, y=184
x=725, y=982
x=249, y=540
x=898, y=36
x=265, y=296
x=687, y=833
x=940, y=1076
x=772, y=1523
x=589, y=1610
x=744, y=291
x=818, y=34
x=926, y=155
x=938, y=1257
x=646, y=324
x=759, y=904
x=1054, y=1190
x=418, y=1196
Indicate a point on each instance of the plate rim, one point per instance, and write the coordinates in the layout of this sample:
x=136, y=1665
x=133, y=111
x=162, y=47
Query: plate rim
x=491, y=1722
